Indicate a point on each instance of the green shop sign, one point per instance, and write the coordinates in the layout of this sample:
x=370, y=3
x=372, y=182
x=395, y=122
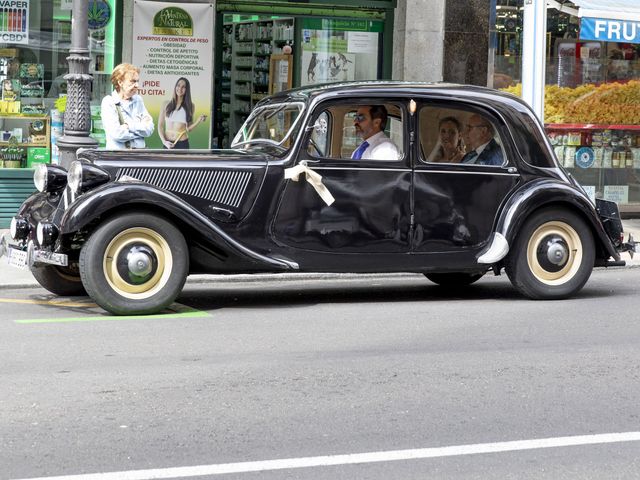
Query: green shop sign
x=98, y=14
x=173, y=21
x=342, y=25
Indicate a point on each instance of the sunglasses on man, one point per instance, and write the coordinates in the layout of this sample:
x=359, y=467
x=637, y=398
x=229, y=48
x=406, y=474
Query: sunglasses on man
x=360, y=117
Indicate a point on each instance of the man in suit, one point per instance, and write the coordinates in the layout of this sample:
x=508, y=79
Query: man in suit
x=370, y=122
x=478, y=136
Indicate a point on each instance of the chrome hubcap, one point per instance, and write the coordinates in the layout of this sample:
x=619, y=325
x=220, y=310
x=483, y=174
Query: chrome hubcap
x=557, y=251
x=140, y=261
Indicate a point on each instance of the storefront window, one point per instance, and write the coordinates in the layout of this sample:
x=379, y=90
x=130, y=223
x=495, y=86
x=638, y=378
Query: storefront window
x=507, y=61
x=261, y=55
x=339, y=50
x=33, y=61
x=592, y=95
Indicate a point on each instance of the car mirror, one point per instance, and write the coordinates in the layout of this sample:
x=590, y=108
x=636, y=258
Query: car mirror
x=319, y=127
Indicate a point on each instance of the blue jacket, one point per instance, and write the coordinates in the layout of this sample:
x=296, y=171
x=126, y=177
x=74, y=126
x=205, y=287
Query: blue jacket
x=139, y=122
x=491, y=155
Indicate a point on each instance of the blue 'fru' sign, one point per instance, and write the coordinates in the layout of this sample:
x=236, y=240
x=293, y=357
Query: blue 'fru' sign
x=606, y=30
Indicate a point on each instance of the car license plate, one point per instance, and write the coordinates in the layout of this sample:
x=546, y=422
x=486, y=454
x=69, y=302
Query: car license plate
x=17, y=258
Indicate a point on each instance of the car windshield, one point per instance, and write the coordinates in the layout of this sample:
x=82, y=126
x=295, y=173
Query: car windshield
x=270, y=125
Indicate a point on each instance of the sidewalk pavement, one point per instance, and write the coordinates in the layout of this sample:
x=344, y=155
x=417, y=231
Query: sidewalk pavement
x=11, y=277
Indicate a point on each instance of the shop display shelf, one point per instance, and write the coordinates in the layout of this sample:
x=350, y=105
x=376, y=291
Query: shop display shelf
x=24, y=144
x=589, y=126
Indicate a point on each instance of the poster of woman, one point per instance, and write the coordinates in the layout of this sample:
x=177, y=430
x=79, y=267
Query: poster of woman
x=176, y=117
x=176, y=61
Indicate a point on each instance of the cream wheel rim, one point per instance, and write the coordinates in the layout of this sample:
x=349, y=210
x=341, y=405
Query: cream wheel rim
x=554, y=253
x=137, y=263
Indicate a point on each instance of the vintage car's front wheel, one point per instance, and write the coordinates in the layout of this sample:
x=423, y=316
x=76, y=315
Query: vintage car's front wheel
x=134, y=264
x=457, y=279
x=553, y=255
x=64, y=281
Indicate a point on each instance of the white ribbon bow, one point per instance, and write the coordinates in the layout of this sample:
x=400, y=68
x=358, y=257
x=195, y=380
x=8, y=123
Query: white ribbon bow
x=314, y=179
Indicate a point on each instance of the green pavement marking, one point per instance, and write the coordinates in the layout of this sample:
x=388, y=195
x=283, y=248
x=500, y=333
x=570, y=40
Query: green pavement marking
x=182, y=312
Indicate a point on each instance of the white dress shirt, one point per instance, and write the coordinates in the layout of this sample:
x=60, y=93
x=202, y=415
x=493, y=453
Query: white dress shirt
x=380, y=148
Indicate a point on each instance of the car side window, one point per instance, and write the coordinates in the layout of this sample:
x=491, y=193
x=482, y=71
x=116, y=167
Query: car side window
x=346, y=125
x=456, y=135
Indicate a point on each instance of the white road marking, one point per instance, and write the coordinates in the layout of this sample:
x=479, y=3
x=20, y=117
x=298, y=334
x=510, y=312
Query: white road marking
x=354, y=458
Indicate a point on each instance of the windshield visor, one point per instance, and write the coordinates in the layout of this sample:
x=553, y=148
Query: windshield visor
x=271, y=124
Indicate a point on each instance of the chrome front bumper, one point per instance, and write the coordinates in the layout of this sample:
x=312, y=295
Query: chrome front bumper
x=31, y=255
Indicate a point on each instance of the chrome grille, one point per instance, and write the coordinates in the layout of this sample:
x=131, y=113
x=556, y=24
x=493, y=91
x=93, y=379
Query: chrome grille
x=226, y=187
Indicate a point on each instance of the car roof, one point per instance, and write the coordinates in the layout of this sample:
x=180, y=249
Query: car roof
x=513, y=109
x=360, y=88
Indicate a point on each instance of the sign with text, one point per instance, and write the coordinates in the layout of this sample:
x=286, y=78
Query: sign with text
x=616, y=193
x=590, y=191
x=335, y=50
x=606, y=30
x=14, y=21
x=174, y=52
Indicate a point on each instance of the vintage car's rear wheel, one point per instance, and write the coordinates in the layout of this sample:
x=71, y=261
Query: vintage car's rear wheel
x=459, y=279
x=553, y=255
x=134, y=264
x=64, y=281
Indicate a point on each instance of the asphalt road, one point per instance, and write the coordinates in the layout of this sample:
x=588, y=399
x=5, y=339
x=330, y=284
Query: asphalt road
x=297, y=370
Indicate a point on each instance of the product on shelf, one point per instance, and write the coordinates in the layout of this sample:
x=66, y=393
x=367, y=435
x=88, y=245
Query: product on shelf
x=10, y=89
x=13, y=156
x=37, y=155
x=596, y=146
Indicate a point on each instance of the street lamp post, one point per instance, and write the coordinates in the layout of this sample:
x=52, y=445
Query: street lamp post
x=77, y=116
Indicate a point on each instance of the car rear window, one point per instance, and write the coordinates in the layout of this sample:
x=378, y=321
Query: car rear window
x=459, y=135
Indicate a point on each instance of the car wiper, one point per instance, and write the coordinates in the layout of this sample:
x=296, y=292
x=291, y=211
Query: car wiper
x=277, y=110
x=257, y=140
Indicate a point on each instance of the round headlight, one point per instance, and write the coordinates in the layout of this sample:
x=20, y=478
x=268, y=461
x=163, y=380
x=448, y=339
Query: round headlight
x=40, y=233
x=40, y=176
x=49, y=178
x=19, y=228
x=74, y=176
x=46, y=234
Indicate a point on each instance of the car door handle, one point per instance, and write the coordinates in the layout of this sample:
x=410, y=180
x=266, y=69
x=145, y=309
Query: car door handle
x=223, y=214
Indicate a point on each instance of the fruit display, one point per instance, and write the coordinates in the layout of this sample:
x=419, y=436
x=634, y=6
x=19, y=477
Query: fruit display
x=606, y=104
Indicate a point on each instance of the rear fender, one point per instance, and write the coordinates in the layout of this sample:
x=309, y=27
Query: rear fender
x=546, y=192
x=111, y=197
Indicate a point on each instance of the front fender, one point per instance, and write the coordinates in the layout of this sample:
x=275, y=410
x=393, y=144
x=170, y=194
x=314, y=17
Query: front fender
x=106, y=198
x=539, y=193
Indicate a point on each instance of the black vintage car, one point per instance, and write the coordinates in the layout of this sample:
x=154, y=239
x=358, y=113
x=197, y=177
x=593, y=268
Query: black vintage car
x=128, y=227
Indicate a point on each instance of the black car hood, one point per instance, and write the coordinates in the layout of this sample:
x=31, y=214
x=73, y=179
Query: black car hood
x=98, y=156
x=209, y=180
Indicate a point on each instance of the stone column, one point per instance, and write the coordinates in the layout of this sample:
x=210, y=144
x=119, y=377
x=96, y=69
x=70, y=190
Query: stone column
x=77, y=116
x=468, y=26
x=417, y=40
